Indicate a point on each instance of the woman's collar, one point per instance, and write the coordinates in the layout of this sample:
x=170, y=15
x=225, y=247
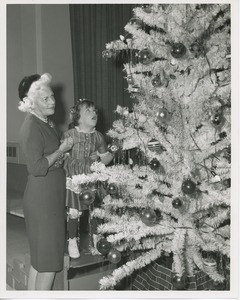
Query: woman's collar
x=45, y=120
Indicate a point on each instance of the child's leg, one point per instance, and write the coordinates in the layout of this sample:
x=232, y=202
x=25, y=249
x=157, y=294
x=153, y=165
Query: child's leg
x=73, y=223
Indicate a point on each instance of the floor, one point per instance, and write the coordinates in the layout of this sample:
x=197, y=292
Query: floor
x=17, y=243
x=84, y=272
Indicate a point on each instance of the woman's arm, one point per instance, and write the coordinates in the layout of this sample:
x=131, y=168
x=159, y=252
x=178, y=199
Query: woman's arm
x=59, y=153
x=32, y=144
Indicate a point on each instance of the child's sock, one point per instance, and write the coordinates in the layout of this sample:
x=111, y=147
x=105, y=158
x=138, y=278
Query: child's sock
x=73, y=250
x=72, y=228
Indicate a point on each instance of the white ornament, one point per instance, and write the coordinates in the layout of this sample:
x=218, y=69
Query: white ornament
x=216, y=178
x=142, y=119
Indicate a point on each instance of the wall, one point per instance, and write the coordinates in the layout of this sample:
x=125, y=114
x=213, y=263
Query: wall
x=38, y=41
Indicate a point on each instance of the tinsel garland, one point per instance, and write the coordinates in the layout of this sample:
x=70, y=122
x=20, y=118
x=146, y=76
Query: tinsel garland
x=127, y=269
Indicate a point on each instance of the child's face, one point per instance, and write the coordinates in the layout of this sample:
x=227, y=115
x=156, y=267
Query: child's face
x=88, y=117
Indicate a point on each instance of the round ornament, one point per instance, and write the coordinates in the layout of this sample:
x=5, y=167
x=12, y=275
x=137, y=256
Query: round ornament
x=106, y=54
x=103, y=246
x=155, y=146
x=172, y=76
x=148, y=216
x=145, y=56
x=114, y=256
x=217, y=120
x=210, y=265
x=87, y=196
x=178, y=50
x=163, y=115
x=180, y=283
x=222, y=135
x=130, y=79
x=177, y=203
x=112, y=189
x=135, y=89
x=147, y=8
x=227, y=153
x=188, y=187
x=135, y=21
x=196, y=49
x=113, y=148
x=142, y=118
x=156, y=81
x=154, y=164
x=227, y=182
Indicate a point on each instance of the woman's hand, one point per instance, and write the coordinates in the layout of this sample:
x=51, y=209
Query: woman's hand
x=66, y=144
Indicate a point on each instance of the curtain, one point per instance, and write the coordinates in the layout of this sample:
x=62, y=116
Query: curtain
x=92, y=26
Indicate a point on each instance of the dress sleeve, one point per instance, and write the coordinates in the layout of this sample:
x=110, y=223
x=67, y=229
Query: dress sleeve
x=32, y=143
x=102, y=148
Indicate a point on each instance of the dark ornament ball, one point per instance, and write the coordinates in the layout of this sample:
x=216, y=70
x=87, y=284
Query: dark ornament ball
x=180, y=283
x=130, y=79
x=135, y=21
x=145, y=56
x=154, y=164
x=227, y=153
x=86, y=196
x=156, y=81
x=163, y=115
x=114, y=256
x=217, y=120
x=227, y=182
x=113, y=147
x=147, y=8
x=177, y=203
x=112, y=189
x=103, y=246
x=107, y=54
x=188, y=187
x=196, y=49
x=178, y=50
x=222, y=135
x=135, y=89
x=148, y=216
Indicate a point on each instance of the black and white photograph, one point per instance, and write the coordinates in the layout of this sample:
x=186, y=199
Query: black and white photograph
x=121, y=154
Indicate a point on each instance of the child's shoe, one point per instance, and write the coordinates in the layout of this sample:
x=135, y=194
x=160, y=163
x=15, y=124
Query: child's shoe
x=73, y=248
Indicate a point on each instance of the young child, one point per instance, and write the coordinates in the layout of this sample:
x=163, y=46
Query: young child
x=88, y=146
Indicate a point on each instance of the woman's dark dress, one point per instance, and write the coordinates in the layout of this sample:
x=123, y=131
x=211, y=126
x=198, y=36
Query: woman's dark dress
x=44, y=197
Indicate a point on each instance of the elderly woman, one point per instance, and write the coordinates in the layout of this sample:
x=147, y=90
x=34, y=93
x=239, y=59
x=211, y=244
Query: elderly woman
x=44, y=197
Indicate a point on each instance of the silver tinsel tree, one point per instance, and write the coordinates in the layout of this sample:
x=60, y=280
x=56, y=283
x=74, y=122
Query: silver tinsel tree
x=168, y=192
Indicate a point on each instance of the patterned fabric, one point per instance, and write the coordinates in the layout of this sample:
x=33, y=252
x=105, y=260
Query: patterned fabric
x=79, y=161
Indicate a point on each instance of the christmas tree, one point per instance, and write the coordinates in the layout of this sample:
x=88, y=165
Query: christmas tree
x=168, y=191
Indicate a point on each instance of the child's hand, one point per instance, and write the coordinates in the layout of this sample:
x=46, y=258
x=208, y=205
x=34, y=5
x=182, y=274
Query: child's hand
x=94, y=156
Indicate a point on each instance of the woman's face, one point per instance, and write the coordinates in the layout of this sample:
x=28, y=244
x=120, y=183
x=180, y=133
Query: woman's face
x=88, y=117
x=44, y=102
